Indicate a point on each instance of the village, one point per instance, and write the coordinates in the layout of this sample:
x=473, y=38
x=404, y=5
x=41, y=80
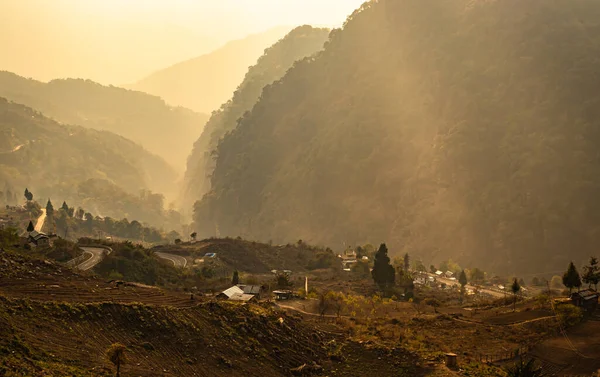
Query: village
x=340, y=293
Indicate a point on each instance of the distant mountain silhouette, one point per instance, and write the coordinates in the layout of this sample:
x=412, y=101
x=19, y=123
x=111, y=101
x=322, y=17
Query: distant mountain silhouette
x=164, y=130
x=204, y=83
x=299, y=43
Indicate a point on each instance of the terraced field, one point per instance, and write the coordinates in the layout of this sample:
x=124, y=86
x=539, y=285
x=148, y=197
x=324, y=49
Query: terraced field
x=56, y=322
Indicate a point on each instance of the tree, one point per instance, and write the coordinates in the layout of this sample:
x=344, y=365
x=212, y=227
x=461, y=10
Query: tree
x=528, y=369
x=177, y=241
x=419, y=266
x=591, y=274
x=193, y=236
x=515, y=288
x=361, y=268
x=571, y=278
x=80, y=213
x=556, y=282
x=477, y=275
x=282, y=281
x=432, y=269
x=535, y=281
x=89, y=221
x=116, y=355
x=65, y=207
x=433, y=302
x=324, y=302
x=406, y=262
x=235, y=280
x=30, y=227
x=49, y=208
x=462, y=278
x=383, y=273
x=28, y=195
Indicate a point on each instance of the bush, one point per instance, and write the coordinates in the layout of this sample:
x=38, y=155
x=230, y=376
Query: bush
x=323, y=259
x=568, y=315
x=361, y=268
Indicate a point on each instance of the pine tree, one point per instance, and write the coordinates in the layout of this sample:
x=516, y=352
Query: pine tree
x=27, y=193
x=383, y=272
x=236, y=278
x=65, y=207
x=571, y=278
x=49, y=208
x=462, y=278
x=406, y=262
x=30, y=227
x=591, y=274
x=515, y=288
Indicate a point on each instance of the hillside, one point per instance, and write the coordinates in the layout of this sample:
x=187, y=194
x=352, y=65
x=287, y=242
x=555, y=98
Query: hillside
x=455, y=129
x=256, y=257
x=163, y=130
x=204, y=83
x=54, y=160
x=301, y=42
x=54, y=322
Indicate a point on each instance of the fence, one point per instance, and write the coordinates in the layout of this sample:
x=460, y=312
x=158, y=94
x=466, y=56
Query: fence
x=502, y=356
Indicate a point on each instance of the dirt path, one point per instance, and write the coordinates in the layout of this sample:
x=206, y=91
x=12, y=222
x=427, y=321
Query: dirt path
x=178, y=260
x=40, y=221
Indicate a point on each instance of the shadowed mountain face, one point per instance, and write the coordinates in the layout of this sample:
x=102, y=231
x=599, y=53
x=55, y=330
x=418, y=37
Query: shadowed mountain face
x=53, y=160
x=204, y=83
x=163, y=130
x=448, y=129
x=277, y=59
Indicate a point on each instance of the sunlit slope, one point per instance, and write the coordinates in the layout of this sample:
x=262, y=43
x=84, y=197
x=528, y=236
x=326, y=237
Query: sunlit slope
x=145, y=119
x=464, y=129
x=53, y=159
x=271, y=66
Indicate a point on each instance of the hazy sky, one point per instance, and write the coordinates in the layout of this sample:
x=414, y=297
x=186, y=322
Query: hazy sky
x=120, y=41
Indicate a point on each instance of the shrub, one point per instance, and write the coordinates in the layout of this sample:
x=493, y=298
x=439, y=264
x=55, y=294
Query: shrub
x=568, y=315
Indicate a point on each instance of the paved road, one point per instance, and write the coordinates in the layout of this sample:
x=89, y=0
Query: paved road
x=178, y=260
x=40, y=221
x=468, y=286
x=97, y=254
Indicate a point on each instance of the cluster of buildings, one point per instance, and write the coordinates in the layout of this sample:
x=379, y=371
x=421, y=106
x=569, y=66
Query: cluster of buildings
x=349, y=258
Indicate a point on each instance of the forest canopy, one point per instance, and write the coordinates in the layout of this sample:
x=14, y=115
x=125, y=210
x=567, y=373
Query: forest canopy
x=464, y=129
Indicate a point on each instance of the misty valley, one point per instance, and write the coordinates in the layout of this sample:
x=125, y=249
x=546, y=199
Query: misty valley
x=300, y=188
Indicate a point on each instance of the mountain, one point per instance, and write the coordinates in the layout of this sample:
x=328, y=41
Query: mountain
x=301, y=42
x=163, y=130
x=54, y=160
x=204, y=83
x=463, y=129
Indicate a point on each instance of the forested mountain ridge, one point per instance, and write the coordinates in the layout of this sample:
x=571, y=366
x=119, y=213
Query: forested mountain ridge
x=163, y=130
x=204, y=83
x=56, y=160
x=301, y=42
x=464, y=129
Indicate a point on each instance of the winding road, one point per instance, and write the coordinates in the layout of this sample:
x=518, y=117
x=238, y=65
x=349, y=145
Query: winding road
x=40, y=221
x=97, y=254
x=178, y=260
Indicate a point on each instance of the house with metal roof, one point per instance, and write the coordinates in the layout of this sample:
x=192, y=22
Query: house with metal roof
x=586, y=299
x=254, y=290
x=243, y=297
x=38, y=238
x=229, y=292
